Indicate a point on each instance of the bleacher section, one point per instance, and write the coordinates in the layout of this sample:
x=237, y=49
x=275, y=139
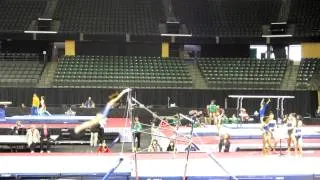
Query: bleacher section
x=120, y=71
x=224, y=18
x=109, y=16
x=19, y=57
x=20, y=73
x=306, y=16
x=242, y=73
x=16, y=15
x=309, y=69
x=227, y=18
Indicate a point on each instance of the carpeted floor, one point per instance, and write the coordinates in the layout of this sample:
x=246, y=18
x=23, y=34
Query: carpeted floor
x=145, y=141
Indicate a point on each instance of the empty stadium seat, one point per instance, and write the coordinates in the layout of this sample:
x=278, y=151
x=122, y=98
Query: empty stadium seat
x=305, y=14
x=309, y=69
x=226, y=18
x=20, y=73
x=242, y=73
x=122, y=71
x=17, y=15
x=110, y=16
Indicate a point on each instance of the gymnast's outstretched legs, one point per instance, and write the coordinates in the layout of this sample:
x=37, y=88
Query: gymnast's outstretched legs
x=101, y=118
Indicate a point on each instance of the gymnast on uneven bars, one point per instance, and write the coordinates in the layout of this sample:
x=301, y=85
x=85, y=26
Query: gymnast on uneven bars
x=101, y=118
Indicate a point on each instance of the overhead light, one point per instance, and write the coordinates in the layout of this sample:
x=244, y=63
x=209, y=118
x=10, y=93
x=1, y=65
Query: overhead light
x=279, y=23
x=177, y=35
x=278, y=36
x=44, y=19
x=41, y=32
x=173, y=22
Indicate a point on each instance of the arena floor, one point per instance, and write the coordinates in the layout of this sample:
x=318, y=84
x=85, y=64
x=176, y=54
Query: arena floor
x=237, y=165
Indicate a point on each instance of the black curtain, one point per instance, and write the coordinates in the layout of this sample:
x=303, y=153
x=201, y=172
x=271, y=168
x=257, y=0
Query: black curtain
x=304, y=101
x=27, y=46
x=118, y=49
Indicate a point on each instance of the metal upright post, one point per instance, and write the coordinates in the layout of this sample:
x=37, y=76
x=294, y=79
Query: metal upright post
x=130, y=107
x=282, y=109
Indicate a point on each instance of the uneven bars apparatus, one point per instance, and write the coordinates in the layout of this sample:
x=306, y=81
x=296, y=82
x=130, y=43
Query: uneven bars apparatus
x=181, y=115
x=280, y=100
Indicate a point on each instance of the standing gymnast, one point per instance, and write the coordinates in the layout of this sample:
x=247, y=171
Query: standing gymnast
x=266, y=134
x=101, y=118
x=263, y=107
x=273, y=128
x=291, y=123
x=298, y=138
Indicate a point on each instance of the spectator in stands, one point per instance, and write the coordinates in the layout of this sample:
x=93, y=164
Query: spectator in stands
x=136, y=130
x=317, y=114
x=45, y=139
x=18, y=129
x=33, y=137
x=172, y=146
x=43, y=108
x=224, y=143
x=35, y=104
x=103, y=148
x=154, y=146
x=89, y=103
x=94, y=135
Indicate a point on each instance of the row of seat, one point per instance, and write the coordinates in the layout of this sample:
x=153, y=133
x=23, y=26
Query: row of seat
x=131, y=16
x=19, y=56
x=246, y=73
x=16, y=15
x=96, y=71
x=20, y=73
x=225, y=18
x=309, y=69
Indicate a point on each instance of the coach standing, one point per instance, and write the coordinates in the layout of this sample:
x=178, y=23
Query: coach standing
x=35, y=104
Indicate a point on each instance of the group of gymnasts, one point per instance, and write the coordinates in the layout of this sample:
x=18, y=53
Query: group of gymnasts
x=272, y=132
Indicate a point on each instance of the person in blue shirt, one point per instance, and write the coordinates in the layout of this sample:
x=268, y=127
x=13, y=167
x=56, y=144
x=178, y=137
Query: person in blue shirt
x=263, y=107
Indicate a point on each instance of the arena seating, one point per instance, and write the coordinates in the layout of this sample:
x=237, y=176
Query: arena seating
x=120, y=71
x=19, y=57
x=242, y=73
x=19, y=73
x=20, y=69
x=224, y=18
x=308, y=69
x=227, y=17
x=109, y=16
x=305, y=14
x=17, y=15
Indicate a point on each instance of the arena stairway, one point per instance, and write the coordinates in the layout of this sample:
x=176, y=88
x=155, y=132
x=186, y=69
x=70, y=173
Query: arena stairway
x=290, y=77
x=48, y=74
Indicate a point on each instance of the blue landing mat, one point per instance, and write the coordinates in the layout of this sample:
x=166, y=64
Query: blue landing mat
x=56, y=119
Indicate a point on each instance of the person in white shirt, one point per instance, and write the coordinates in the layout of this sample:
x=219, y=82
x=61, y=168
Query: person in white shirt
x=33, y=138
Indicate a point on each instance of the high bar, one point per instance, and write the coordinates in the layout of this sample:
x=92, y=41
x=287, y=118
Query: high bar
x=260, y=96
